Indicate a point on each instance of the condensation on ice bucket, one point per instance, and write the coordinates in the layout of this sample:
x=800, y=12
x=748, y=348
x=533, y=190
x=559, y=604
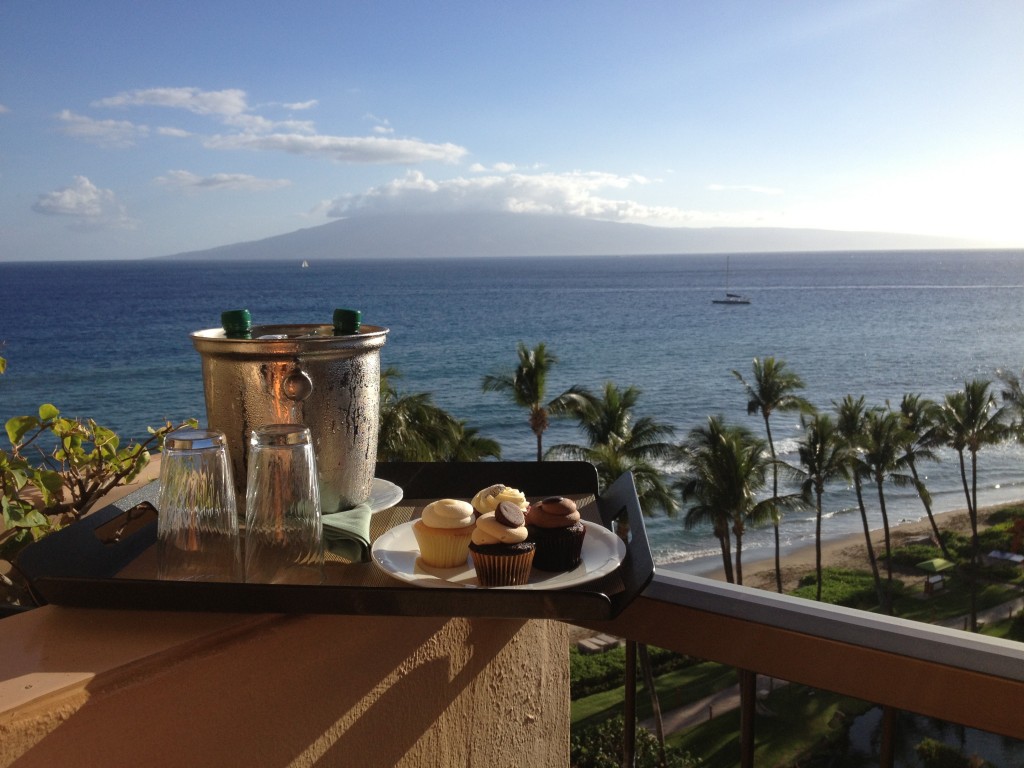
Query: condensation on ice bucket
x=299, y=374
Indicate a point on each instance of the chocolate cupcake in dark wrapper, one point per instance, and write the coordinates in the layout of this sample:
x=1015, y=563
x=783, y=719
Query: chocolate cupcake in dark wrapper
x=554, y=525
x=501, y=554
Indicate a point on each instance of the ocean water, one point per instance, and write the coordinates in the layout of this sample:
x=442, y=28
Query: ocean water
x=110, y=340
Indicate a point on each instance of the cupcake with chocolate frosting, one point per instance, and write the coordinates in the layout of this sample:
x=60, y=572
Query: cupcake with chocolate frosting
x=501, y=554
x=555, y=526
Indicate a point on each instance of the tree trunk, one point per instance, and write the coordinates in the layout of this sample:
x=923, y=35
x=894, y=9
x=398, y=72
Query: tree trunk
x=648, y=675
x=972, y=514
x=739, y=557
x=817, y=545
x=975, y=542
x=888, y=548
x=775, y=512
x=928, y=510
x=726, y=558
x=867, y=541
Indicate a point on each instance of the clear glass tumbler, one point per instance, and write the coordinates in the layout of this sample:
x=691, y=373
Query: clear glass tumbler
x=197, y=525
x=283, y=528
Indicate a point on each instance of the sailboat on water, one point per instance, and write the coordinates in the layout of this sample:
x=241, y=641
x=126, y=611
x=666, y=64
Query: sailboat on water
x=730, y=298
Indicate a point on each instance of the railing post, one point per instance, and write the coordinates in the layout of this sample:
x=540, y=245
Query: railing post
x=887, y=750
x=629, y=715
x=748, y=708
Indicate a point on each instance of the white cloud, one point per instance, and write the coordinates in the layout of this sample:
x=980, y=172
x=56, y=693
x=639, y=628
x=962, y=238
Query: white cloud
x=87, y=205
x=349, y=149
x=240, y=181
x=247, y=130
x=383, y=125
x=496, y=168
x=110, y=133
x=574, y=193
x=226, y=103
x=745, y=188
x=594, y=195
x=3, y=109
x=178, y=133
x=229, y=106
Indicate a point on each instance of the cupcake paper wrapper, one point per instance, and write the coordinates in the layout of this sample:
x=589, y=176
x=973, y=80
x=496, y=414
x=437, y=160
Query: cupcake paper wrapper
x=558, y=549
x=503, y=570
x=443, y=550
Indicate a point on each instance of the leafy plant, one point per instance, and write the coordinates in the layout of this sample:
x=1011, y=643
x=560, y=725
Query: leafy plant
x=58, y=467
x=600, y=746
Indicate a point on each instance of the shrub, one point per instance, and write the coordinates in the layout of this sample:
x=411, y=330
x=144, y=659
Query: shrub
x=845, y=587
x=910, y=555
x=935, y=754
x=591, y=673
x=600, y=746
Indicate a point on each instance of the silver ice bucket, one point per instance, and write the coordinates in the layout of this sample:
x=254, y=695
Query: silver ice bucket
x=299, y=374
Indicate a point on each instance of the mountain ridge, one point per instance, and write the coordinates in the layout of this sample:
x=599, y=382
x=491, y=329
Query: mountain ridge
x=459, y=235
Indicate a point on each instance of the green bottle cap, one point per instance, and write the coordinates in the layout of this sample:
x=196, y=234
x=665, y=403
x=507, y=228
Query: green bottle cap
x=237, y=323
x=347, y=321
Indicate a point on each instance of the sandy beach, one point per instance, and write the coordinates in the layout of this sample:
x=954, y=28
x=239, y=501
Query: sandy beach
x=846, y=552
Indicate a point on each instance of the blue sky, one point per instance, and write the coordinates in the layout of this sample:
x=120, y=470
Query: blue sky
x=131, y=129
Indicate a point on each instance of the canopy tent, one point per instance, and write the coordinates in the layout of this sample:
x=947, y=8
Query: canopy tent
x=935, y=565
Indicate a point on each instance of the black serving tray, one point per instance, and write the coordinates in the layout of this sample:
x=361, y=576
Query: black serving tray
x=79, y=565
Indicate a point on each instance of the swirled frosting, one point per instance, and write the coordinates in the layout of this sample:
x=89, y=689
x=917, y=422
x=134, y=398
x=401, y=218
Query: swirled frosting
x=494, y=528
x=489, y=498
x=553, y=512
x=447, y=513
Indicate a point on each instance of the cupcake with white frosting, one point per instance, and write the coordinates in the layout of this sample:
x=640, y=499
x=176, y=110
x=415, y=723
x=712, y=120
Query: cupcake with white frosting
x=488, y=499
x=444, y=532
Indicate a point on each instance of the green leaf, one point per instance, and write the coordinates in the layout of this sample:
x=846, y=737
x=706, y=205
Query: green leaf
x=3, y=365
x=48, y=411
x=19, y=426
x=49, y=479
x=19, y=478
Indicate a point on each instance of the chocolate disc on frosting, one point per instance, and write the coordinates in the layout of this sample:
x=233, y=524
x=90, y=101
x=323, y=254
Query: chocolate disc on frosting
x=509, y=514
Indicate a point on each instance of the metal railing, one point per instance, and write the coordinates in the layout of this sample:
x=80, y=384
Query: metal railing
x=948, y=674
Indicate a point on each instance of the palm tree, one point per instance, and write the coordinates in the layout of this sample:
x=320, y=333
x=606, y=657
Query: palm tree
x=727, y=467
x=884, y=438
x=773, y=389
x=526, y=385
x=920, y=417
x=467, y=445
x=850, y=417
x=1013, y=398
x=707, y=481
x=823, y=457
x=618, y=442
x=413, y=428
x=969, y=420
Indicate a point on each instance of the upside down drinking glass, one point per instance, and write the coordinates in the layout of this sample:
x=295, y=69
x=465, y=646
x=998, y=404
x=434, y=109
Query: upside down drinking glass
x=197, y=526
x=283, y=528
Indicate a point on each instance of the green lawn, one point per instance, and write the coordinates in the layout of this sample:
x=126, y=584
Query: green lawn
x=793, y=723
x=952, y=602
x=675, y=689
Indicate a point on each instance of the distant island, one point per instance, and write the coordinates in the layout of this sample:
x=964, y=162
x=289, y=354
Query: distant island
x=458, y=235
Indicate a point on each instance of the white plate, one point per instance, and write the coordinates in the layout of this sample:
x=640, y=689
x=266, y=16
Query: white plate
x=397, y=553
x=383, y=494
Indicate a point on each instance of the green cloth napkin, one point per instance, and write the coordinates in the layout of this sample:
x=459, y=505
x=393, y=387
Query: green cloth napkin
x=347, y=533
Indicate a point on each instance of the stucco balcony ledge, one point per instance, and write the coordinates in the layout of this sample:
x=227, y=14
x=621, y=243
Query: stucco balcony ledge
x=108, y=687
